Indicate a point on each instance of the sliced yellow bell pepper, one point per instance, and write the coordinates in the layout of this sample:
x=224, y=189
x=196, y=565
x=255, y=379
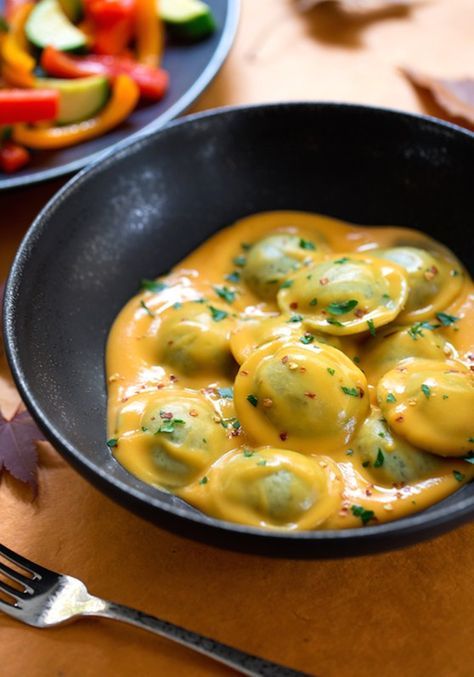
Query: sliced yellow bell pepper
x=149, y=33
x=15, y=45
x=125, y=95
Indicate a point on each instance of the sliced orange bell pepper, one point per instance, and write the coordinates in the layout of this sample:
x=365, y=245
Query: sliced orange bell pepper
x=125, y=95
x=15, y=46
x=16, y=77
x=149, y=33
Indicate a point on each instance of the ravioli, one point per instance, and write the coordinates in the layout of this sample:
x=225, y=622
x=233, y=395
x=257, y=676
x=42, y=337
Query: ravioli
x=296, y=373
x=346, y=294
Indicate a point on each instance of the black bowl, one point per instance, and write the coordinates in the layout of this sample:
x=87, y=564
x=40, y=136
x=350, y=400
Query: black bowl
x=141, y=210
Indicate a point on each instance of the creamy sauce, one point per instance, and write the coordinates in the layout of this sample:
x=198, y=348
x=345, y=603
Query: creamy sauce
x=297, y=372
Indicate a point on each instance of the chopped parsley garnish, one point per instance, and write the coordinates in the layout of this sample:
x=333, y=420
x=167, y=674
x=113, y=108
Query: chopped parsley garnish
x=365, y=515
x=386, y=298
x=426, y=390
x=112, y=442
x=177, y=305
x=445, y=397
x=234, y=276
x=144, y=429
x=331, y=371
x=417, y=329
x=203, y=480
x=332, y=320
x=225, y=293
x=349, y=452
x=295, y=318
x=391, y=398
x=371, y=326
x=470, y=439
x=446, y=320
x=343, y=307
x=262, y=462
x=233, y=422
x=252, y=399
x=168, y=426
x=248, y=453
x=153, y=285
x=353, y=392
x=454, y=273
x=356, y=359
x=245, y=246
x=217, y=314
x=459, y=475
x=307, y=244
x=470, y=458
x=307, y=338
x=381, y=434
x=146, y=309
x=227, y=393
x=344, y=259
x=365, y=464
x=380, y=458
x=239, y=261
x=286, y=284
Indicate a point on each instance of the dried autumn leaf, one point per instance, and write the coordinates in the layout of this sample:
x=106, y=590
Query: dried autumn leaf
x=359, y=7
x=18, y=453
x=9, y=397
x=455, y=97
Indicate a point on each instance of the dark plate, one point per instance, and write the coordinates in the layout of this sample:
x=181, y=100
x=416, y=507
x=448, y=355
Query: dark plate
x=141, y=210
x=191, y=68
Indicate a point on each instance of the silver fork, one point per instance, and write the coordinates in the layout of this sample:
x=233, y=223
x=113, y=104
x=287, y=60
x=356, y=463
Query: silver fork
x=47, y=598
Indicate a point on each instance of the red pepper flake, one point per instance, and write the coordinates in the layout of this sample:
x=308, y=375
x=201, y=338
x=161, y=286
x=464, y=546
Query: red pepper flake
x=167, y=415
x=323, y=281
x=160, y=386
x=430, y=273
x=173, y=378
x=359, y=312
x=310, y=395
x=267, y=402
x=294, y=305
x=368, y=492
x=284, y=359
x=170, y=343
x=361, y=391
x=193, y=412
x=302, y=370
x=399, y=419
x=283, y=436
x=243, y=372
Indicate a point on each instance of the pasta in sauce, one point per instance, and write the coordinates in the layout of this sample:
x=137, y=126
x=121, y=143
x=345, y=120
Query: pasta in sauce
x=297, y=372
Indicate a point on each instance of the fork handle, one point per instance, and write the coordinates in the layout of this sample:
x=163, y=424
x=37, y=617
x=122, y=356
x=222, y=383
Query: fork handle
x=233, y=658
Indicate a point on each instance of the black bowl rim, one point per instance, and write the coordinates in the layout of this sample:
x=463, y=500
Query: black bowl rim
x=229, y=30
x=438, y=519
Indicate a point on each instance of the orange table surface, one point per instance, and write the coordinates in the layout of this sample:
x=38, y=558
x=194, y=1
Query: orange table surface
x=409, y=612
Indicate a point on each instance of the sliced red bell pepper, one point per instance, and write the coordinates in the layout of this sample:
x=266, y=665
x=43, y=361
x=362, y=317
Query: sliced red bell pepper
x=12, y=5
x=13, y=156
x=106, y=13
x=112, y=40
x=28, y=105
x=152, y=82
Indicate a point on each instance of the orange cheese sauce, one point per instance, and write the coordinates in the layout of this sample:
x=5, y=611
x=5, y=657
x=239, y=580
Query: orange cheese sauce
x=304, y=381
